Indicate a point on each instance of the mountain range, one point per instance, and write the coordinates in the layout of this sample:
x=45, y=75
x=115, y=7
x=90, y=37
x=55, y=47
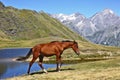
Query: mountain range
x=102, y=28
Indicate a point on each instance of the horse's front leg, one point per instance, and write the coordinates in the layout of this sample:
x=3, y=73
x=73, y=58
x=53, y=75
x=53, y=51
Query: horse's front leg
x=58, y=62
x=40, y=63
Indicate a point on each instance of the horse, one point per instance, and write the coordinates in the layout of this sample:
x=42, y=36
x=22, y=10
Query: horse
x=49, y=49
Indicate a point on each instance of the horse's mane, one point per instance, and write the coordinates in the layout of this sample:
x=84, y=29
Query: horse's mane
x=53, y=41
x=69, y=41
x=66, y=41
x=60, y=41
x=63, y=41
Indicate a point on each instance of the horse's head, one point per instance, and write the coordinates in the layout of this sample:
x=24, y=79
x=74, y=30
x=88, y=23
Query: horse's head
x=75, y=47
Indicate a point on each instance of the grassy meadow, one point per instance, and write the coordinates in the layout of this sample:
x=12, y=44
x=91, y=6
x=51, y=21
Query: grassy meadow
x=93, y=70
x=96, y=62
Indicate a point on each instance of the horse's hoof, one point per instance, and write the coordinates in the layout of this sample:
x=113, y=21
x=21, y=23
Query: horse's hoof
x=44, y=70
x=58, y=71
x=28, y=73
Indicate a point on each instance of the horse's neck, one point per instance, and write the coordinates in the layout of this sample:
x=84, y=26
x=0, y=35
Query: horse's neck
x=66, y=45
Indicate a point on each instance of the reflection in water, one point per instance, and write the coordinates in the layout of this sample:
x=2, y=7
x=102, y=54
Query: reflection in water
x=9, y=68
x=3, y=68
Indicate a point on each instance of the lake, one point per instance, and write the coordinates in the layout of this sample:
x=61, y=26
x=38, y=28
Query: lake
x=9, y=68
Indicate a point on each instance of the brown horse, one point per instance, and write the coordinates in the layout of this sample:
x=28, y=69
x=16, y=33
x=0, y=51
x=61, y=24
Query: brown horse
x=50, y=49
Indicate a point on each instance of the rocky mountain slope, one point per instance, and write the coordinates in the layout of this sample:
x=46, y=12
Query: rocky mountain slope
x=101, y=28
x=23, y=24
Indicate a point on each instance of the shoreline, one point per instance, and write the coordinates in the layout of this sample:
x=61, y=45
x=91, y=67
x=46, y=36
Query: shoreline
x=94, y=70
x=46, y=60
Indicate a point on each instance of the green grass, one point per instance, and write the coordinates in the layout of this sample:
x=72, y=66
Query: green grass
x=27, y=24
x=93, y=70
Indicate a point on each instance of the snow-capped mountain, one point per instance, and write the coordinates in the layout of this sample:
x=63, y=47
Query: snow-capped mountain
x=108, y=25
x=105, y=19
x=101, y=28
x=72, y=17
x=77, y=22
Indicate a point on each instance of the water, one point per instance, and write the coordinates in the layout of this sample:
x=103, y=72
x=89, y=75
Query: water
x=12, y=53
x=9, y=68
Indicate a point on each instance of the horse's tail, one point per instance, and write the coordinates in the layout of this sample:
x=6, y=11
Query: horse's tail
x=26, y=57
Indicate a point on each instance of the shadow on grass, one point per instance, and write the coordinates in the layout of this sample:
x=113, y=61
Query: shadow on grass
x=75, y=61
x=49, y=71
x=94, y=59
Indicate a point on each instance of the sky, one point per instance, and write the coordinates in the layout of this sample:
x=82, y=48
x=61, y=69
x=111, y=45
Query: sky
x=86, y=7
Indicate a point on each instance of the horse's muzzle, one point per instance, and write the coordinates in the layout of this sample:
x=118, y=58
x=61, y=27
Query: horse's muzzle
x=78, y=53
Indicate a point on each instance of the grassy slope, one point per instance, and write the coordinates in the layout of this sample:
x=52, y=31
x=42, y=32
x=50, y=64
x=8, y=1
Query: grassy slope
x=3, y=36
x=25, y=28
x=27, y=24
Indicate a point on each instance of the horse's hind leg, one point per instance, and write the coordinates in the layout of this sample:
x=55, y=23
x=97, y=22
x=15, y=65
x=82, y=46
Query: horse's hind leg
x=40, y=63
x=58, y=61
x=31, y=62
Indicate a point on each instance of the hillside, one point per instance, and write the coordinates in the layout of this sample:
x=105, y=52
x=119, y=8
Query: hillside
x=16, y=24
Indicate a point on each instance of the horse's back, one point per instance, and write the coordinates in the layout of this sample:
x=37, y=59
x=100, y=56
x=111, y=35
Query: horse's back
x=51, y=46
x=48, y=49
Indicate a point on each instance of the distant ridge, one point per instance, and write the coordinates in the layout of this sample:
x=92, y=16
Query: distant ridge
x=101, y=28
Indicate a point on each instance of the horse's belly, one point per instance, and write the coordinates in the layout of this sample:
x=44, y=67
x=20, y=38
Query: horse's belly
x=48, y=54
x=49, y=51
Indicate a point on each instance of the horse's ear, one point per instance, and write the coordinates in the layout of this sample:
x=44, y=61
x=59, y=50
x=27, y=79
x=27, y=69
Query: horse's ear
x=74, y=41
